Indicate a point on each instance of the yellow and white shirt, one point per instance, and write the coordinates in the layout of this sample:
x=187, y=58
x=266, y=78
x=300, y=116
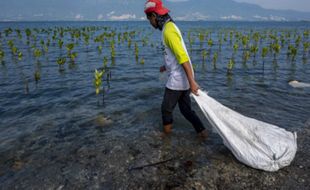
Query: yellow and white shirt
x=175, y=55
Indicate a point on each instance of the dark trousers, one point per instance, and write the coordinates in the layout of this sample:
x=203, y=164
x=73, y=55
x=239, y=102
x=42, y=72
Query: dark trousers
x=171, y=98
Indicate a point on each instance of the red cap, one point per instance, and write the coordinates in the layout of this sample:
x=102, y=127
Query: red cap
x=155, y=6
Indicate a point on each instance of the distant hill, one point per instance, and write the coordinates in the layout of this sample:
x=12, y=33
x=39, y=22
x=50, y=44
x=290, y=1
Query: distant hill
x=133, y=10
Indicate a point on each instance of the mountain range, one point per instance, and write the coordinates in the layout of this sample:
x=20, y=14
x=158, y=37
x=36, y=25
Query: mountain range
x=190, y=10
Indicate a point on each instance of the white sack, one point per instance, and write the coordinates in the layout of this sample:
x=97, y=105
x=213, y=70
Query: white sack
x=255, y=143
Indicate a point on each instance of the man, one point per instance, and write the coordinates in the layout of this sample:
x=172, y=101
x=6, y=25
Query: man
x=181, y=80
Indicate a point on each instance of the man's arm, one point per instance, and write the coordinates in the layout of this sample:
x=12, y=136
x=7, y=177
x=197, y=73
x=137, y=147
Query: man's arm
x=190, y=76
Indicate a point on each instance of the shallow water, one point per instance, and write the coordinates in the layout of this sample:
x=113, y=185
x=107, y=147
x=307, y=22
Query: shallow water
x=61, y=114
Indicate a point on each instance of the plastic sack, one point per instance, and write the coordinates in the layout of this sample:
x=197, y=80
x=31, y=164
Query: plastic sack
x=255, y=143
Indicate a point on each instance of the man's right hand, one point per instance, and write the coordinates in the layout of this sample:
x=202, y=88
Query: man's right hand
x=162, y=69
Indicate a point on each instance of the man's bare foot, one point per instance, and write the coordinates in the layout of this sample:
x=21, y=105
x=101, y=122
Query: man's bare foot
x=167, y=128
x=203, y=134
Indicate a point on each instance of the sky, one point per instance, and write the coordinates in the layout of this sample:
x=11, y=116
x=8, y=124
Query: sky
x=12, y=10
x=299, y=5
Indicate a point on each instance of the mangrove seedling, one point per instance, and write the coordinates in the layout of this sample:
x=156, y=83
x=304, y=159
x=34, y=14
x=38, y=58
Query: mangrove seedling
x=99, y=48
x=20, y=56
x=210, y=43
x=254, y=50
x=246, y=56
x=37, y=53
x=230, y=66
x=204, y=55
x=10, y=43
x=1, y=55
x=61, y=61
x=8, y=31
x=297, y=41
x=60, y=43
x=256, y=37
x=201, y=39
x=235, y=47
x=105, y=62
x=73, y=55
x=264, y=52
x=98, y=80
x=306, y=46
x=14, y=50
x=70, y=48
x=215, y=56
x=112, y=50
x=276, y=49
x=136, y=51
x=19, y=35
x=293, y=52
x=245, y=40
x=37, y=76
x=86, y=38
x=142, y=61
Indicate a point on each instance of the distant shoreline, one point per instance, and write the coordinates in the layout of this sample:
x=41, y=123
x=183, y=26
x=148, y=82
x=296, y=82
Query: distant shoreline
x=52, y=21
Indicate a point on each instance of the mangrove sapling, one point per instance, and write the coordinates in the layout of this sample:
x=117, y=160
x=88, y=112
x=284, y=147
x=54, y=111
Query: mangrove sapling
x=28, y=34
x=86, y=37
x=282, y=39
x=37, y=53
x=265, y=51
x=14, y=50
x=297, y=41
x=2, y=54
x=204, y=55
x=37, y=76
x=210, y=44
x=20, y=56
x=220, y=43
x=136, y=51
x=201, y=39
x=105, y=62
x=61, y=61
x=230, y=66
x=142, y=61
x=256, y=38
x=8, y=31
x=293, y=53
x=253, y=50
x=99, y=48
x=112, y=47
x=246, y=56
x=306, y=46
x=231, y=37
x=235, y=48
x=98, y=81
x=70, y=54
x=60, y=43
x=276, y=49
x=69, y=48
x=19, y=34
x=215, y=57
